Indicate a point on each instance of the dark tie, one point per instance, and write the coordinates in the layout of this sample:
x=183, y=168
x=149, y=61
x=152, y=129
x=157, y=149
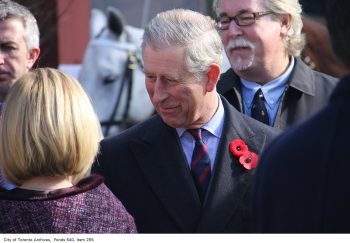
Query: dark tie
x=259, y=111
x=200, y=163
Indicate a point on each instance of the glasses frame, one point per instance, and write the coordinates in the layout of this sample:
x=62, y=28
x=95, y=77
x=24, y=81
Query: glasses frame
x=256, y=15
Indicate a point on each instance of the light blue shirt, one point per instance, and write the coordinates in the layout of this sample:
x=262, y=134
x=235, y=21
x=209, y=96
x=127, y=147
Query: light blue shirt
x=7, y=185
x=272, y=91
x=210, y=136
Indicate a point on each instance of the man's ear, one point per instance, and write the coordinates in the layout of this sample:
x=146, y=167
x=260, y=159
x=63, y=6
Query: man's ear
x=32, y=57
x=286, y=20
x=213, y=77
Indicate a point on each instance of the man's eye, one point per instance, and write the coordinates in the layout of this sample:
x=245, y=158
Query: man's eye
x=8, y=48
x=150, y=78
x=246, y=17
x=170, y=81
x=225, y=21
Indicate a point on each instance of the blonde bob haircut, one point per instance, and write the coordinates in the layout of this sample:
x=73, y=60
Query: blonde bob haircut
x=48, y=128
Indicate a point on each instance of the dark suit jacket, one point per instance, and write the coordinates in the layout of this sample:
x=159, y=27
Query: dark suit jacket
x=303, y=178
x=146, y=168
x=307, y=92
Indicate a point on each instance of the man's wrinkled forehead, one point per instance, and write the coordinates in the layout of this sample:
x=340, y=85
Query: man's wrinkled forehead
x=12, y=31
x=238, y=6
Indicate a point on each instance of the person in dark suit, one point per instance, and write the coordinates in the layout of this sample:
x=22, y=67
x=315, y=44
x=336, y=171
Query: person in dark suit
x=302, y=183
x=263, y=41
x=19, y=50
x=169, y=180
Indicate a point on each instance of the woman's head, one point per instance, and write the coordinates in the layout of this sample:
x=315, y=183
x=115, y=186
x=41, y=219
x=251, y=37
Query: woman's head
x=48, y=128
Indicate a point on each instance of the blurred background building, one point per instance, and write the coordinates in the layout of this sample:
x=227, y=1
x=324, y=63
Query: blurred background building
x=139, y=12
x=64, y=24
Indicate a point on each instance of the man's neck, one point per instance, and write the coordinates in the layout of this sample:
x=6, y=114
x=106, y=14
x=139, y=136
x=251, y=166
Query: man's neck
x=265, y=73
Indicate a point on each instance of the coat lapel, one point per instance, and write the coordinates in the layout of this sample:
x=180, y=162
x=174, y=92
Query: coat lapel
x=230, y=86
x=161, y=158
x=292, y=95
x=230, y=181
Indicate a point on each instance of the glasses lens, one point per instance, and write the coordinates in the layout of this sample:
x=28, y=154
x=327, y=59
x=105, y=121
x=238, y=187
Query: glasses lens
x=223, y=23
x=245, y=19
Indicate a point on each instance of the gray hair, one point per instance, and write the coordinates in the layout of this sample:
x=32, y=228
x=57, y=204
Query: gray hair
x=13, y=10
x=294, y=40
x=191, y=30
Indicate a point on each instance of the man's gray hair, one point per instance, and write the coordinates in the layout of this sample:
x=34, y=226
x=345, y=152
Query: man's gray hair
x=12, y=10
x=294, y=40
x=191, y=30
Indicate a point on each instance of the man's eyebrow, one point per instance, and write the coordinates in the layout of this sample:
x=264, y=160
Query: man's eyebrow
x=4, y=42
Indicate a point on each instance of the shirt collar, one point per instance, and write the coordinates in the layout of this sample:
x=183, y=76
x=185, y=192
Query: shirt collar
x=272, y=90
x=214, y=125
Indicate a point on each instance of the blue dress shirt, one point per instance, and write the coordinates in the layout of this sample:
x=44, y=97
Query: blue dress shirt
x=272, y=91
x=211, y=136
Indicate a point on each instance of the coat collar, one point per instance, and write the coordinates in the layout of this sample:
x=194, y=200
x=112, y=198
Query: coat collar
x=161, y=158
x=301, y=72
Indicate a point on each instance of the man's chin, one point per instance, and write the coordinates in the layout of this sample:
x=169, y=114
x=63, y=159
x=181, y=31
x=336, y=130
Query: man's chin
x=5, y=78
x=174, y=123
x=241, y=64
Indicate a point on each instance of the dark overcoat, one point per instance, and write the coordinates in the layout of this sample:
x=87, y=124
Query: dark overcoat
x=146, y=168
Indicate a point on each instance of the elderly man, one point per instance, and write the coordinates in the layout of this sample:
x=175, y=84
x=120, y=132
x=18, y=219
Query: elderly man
x=19, y=47
x=189, y=168
x=268, y=81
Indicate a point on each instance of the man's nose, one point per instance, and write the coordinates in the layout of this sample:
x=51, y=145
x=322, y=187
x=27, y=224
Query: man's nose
x=160, y=91
x=234, y=30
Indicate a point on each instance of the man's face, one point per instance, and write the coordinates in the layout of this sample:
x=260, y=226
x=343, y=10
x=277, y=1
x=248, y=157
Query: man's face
x=176, y=94
x=256, y=45
x=15, y=59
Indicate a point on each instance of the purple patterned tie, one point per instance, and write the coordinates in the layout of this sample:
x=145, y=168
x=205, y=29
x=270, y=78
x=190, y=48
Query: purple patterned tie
x=200, y=163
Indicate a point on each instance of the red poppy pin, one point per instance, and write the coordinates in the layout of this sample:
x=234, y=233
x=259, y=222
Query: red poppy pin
x=239, y=149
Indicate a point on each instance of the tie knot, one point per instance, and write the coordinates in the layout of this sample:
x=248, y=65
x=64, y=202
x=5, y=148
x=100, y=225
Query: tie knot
x=196, y=133
x=259, y=94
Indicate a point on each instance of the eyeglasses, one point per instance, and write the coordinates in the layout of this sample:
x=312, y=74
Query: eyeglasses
x=241, y=19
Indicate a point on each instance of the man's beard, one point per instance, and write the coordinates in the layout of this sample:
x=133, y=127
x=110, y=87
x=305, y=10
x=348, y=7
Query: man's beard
x=239, y=63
